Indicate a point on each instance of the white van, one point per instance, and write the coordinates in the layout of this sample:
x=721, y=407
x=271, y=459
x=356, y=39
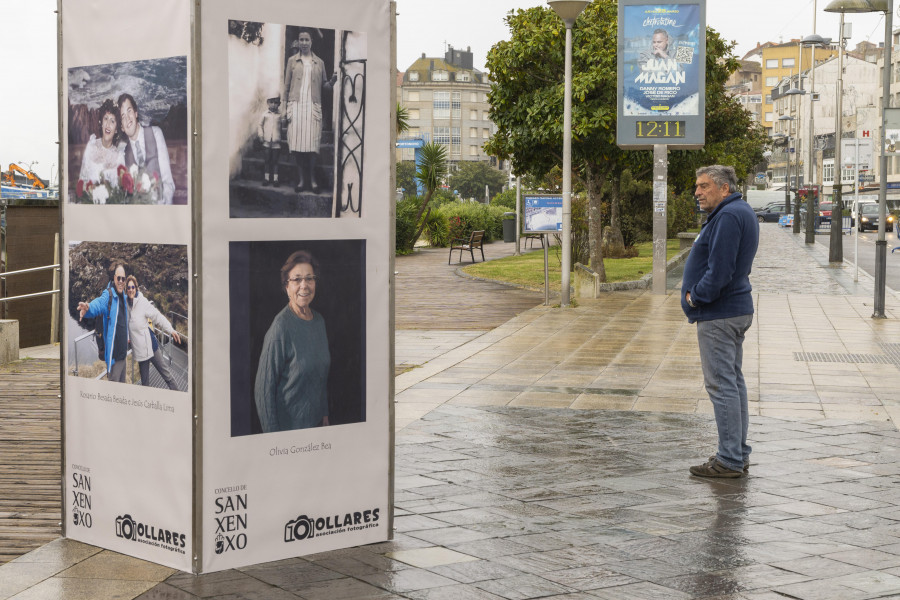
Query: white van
x=759, y=198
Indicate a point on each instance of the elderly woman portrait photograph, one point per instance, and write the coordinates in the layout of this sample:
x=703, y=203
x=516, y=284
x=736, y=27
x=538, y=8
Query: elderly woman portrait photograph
x=297, y=351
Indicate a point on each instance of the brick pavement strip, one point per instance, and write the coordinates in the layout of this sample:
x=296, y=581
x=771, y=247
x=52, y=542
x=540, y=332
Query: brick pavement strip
x=500, y=493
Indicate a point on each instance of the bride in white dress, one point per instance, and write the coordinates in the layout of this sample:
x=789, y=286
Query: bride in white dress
x=103, y=155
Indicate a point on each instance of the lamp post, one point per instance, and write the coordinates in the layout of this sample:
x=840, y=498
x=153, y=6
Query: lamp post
x=813, y=41
x=568, y=11
x=887, y=7
x=835, y=245
x=794, y=92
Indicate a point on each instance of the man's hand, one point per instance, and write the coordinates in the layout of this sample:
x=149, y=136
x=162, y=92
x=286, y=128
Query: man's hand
x=82, y=308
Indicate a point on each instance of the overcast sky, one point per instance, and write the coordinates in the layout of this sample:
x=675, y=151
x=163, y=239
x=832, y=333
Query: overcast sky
x=28, y=97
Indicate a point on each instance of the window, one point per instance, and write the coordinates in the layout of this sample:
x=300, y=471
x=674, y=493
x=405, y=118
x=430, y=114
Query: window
x=413, y=75
x=788, y=62
x=473, y=115
x=413, y=113
x=771, y=63
x=473, y=150
x=771, y=81
x=473, y=96
x=770, y=116
x=441, y=105
x=473, y=132
x=456, y=105
x=441, y=135
x=413, y=132
x=412, y=96
x=487, y=116
x=828, y=172
x=440, y=76
x=486, y=133
x=463, y=76
x=755, y=99
x=768, y=98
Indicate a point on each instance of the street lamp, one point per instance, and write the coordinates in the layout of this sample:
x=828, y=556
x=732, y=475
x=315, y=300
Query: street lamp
x=794, y=92
x=568, y=11
x=813, y=41
x=887, y=7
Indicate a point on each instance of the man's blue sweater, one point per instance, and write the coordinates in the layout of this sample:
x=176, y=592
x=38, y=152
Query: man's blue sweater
x=717, y=271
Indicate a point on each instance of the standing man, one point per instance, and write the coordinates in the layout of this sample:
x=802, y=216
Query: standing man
x=716, y=296
x=146, y=147
x=111, y=307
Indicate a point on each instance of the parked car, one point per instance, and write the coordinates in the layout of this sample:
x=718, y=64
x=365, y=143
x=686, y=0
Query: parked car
x=770, y=213
x=825, y=209
x=868, y=218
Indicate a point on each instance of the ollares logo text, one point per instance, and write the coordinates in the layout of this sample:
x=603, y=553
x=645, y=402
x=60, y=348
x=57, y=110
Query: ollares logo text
x=231, y=522
x=129, y=528
x=305, y=527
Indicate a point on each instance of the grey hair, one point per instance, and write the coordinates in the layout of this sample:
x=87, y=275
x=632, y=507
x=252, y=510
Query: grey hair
x=721, y=175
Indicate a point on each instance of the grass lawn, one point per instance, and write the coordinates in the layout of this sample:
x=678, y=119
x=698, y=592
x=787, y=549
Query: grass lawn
x=528, y=269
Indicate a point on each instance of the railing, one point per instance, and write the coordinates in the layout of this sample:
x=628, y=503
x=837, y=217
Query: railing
x=54, y=291
x=31, y=270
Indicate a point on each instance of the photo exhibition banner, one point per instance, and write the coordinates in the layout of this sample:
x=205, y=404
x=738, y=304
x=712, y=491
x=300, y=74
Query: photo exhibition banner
x=294, y=311
x=127, y=262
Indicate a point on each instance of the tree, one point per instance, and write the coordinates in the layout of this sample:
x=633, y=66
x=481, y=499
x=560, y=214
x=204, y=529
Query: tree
x=430, y=172
x=471, y=177
x=406, y=177
x=526, y=106
x=402, y=119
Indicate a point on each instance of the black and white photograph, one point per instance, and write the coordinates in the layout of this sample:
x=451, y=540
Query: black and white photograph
x=127, y=313
x=298, y=327
x=127, y=132
x=297, y=97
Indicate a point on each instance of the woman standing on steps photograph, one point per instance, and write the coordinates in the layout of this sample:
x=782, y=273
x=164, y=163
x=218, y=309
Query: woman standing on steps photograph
x=304, y=82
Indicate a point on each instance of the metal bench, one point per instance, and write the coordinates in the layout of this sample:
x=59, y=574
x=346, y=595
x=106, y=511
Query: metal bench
x=475, y=242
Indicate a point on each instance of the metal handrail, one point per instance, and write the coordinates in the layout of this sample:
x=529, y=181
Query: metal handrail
x=4, y=275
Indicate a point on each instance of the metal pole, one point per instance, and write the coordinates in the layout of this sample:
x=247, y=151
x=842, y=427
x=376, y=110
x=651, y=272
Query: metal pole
x=567, y=176
x=518, y=215
x=545, y=244
x=660, y=196
x=795, y=227
x=881, y=243
x=836, y=245
x=856, y=204
x=810, y=204
x=54, y=302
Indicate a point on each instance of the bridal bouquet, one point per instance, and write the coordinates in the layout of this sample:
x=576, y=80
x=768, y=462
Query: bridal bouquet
x=126, y=186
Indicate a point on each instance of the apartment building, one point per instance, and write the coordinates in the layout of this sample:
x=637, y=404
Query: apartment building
x=447, y=103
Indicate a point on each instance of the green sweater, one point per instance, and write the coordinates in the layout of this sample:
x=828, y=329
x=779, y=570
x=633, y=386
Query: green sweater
x=291, y=388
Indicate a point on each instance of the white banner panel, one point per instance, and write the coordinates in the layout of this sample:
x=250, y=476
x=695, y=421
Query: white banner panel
x=127, y=229
x=295, y=278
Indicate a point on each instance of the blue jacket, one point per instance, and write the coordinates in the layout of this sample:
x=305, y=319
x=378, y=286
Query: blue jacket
x=717, y=271
x=98, y=308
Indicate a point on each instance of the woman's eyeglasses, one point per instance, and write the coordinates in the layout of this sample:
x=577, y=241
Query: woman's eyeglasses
x=309, y=279
x=131, y=287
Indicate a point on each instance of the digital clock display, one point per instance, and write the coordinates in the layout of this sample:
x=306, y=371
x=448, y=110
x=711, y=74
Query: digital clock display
x=660, y=129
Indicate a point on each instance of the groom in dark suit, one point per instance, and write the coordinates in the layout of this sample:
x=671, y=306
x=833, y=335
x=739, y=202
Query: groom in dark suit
x=146, y=147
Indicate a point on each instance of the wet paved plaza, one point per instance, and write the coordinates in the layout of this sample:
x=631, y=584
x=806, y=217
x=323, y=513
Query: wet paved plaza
x=547, y=457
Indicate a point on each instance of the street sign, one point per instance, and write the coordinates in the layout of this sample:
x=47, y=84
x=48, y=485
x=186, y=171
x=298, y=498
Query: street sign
x=848, y=153
x=866, y=177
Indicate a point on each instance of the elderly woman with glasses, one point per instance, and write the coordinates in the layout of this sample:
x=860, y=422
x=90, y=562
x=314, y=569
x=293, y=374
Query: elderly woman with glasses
x=291, y=390
x=144, y=347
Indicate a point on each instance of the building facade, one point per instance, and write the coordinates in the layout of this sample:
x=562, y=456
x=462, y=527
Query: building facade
x=782, y=61
x=446, y=99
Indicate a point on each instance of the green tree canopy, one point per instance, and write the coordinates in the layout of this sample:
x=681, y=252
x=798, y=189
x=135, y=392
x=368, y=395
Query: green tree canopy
x=406, y=177
x=526, y=99
x=471, y=177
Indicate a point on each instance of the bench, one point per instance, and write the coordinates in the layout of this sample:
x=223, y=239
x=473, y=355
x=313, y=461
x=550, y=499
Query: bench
x=475, y=242
x=532, y=237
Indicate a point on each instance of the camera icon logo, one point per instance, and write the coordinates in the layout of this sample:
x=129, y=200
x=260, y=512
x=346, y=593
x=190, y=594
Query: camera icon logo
x=300, y=528
x=125, y=527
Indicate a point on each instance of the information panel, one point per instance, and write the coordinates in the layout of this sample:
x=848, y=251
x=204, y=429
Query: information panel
x=543, y=214
x=661, y=74
x=126, y=264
